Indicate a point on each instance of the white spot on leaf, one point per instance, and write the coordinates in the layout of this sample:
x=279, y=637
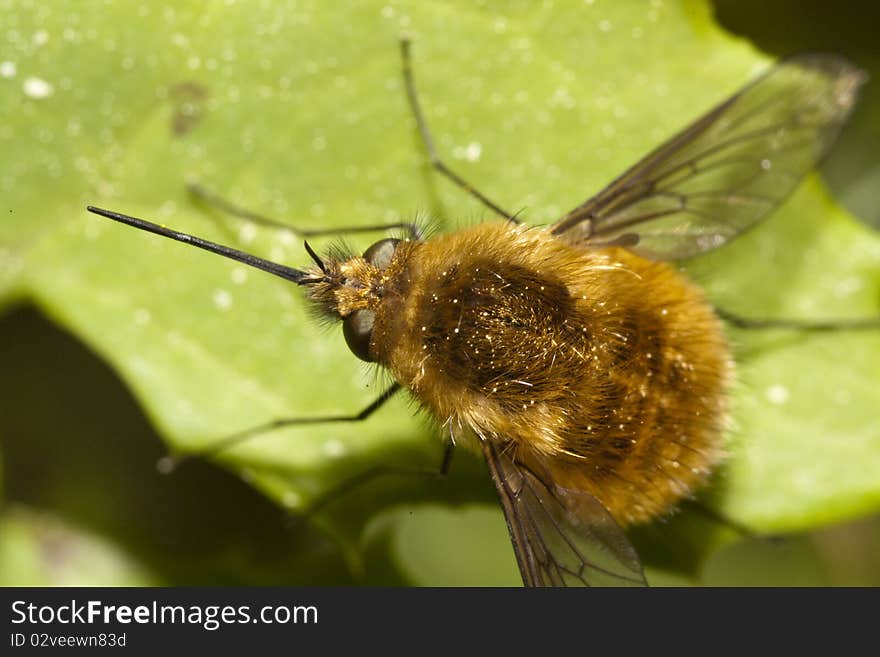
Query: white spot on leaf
x=238, y=275
x=471, y=152
x=37, y=88
x=222, y=299
x=334, y=448
x=777, y=394
x=142, y=316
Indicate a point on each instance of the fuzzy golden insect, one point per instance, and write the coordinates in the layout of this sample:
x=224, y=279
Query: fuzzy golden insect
x=589, y=372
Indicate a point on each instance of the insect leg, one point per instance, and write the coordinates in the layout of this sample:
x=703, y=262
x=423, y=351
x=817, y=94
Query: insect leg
x=349, y=485
x=428, y=140
x=742, y=530
x=210, y=198
x=738, y=321
x=173, y=461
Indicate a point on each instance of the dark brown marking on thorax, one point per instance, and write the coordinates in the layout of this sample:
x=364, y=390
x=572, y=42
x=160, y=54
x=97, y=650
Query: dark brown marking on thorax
x=486, y=322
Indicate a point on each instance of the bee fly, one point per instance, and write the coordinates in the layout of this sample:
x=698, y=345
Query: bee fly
x=590, y=373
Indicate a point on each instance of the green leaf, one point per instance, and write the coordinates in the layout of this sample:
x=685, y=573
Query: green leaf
x=297, y=111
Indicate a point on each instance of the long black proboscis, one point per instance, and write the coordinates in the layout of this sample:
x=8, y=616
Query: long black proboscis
x=288, y=273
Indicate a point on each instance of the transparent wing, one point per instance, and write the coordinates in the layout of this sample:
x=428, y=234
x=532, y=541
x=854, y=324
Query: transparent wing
x=561, y=537
x=727, y=170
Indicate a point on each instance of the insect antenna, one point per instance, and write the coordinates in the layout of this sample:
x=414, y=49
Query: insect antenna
x=314, y=256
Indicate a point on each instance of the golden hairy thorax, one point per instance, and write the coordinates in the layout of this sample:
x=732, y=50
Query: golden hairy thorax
x=608, y=372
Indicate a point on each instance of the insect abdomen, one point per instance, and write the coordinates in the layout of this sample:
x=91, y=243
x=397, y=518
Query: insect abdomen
x=607, y=371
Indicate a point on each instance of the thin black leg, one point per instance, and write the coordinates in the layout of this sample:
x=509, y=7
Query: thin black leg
x=227, y=207
x=721, y=519
x=376, y=472
x=171, y=462
x=428, y=141
x=869, y=323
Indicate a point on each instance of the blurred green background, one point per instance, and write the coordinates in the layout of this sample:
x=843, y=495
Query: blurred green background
x=85, y=396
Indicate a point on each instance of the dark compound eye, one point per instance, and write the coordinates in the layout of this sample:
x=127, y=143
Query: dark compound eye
x=380, y=253
x=358, y=327
x=358, y=331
